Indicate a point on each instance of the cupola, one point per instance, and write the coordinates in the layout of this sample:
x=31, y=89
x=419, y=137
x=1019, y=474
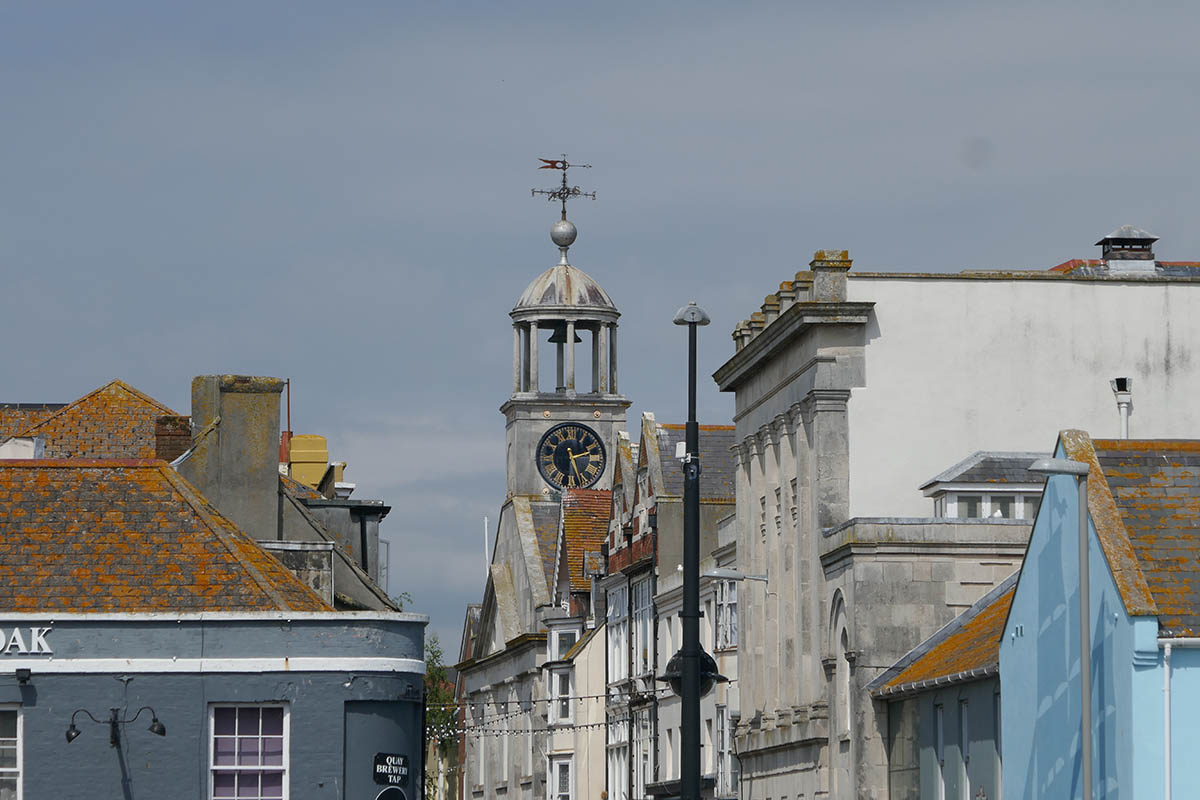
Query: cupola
x=1128, y=249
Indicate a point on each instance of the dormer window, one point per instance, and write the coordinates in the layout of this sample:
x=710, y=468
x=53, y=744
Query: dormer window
x=987, y=485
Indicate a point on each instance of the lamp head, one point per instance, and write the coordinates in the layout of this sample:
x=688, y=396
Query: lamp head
x=1059, y=466
x=157, y=728
x=72, y=733
x=692, y=314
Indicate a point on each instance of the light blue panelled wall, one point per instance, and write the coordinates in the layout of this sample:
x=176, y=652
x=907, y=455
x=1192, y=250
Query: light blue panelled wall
x=1039, y=673
x=1039, y=663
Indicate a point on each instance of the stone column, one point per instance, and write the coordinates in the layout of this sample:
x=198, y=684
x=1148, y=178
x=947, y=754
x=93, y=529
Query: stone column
x=570, y=343
x=612, y=358
x=558, y=367
x=602, y=359
x=516, y=358
x=533, y=357
x=808, y=655
x=596, y=358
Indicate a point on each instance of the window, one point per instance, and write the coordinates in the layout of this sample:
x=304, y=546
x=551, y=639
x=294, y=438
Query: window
x=1031, y=506
x=671, y=761
x=762, y=518
x=560, y=779
x=643, y=617
x=248, y=751
x=642, y=746
x=795, y=503
x=10, y=753
x=707, y=744
x=561, y=643
x=727, y=616
x=618, y=634
x=1003, y=506
x=969, y=506
x=618, y=758
x=560, y=697
x=727, y=764
x=707, y=630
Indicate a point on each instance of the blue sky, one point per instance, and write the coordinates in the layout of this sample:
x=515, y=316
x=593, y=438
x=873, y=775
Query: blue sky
x=339, y=194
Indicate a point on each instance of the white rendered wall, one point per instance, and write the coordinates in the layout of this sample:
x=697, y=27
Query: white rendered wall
x=956, y=365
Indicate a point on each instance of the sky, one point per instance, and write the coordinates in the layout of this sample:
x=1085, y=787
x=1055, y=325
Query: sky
x=338, y=193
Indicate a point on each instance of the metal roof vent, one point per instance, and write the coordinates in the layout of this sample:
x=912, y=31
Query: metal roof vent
x=1128, y=249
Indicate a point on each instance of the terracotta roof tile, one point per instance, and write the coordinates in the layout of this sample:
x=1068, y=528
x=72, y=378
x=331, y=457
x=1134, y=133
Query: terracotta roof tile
x=967, y=648
x=128, y=536
x=114, y=421
x=1156, y=487
x=585, y=515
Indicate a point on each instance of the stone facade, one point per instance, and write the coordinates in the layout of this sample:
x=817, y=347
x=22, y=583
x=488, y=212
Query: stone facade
x=852, y=389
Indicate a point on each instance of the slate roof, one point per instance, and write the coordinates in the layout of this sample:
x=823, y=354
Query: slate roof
x=15, y=417
x=990, y=468
x=1156, y=488
x=968, y=648
x=128, y=536
x=545, y=531
x=295, y=488
x=717, y=473
x=114, y=421
x=585, y=514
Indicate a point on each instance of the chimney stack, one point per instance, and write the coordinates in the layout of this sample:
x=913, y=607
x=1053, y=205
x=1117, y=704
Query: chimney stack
x=1128, y=249
x=235, y=458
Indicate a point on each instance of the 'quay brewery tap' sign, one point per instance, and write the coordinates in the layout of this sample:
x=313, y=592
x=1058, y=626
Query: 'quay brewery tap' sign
x=391, y=769
x=24, y=641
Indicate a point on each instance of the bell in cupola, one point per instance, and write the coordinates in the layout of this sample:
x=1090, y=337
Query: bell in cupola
x=559, y=336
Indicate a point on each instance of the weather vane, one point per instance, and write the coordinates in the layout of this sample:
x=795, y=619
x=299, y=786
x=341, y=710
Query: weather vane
x=563, y=192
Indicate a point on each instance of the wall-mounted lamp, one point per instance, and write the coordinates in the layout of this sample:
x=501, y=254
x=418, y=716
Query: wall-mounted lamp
x=115, y=721
x=23, y=675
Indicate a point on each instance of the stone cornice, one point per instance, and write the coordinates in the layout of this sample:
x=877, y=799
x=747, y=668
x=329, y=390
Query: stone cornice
x=792, y=323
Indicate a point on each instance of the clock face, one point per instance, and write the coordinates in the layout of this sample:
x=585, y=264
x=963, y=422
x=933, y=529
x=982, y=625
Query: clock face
x=570, y=456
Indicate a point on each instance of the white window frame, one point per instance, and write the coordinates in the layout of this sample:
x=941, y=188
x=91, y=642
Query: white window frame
x=286, y=767
x=557, y=653
x=643, y=626
x=727, y=619
x=946, y=506
x=19, y=770
x=552, y=764
x=557, y=699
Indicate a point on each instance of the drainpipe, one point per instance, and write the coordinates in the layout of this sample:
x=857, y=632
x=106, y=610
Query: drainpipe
x=1167, y=721
x=1123, y=390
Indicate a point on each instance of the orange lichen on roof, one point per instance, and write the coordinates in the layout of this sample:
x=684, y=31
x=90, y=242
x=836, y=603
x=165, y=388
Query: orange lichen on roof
x=1155, y=487
x=301, y=491
x=585, y=515
x=114, y=421
x=17, y=417
x=130, y=535
x=973, y=648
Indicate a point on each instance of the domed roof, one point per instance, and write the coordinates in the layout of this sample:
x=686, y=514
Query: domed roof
x=564, y=285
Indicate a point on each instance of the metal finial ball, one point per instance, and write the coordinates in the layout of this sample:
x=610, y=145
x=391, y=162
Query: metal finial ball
x=563, y=233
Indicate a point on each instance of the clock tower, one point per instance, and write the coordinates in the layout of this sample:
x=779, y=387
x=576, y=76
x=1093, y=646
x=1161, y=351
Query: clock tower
x=562, y=424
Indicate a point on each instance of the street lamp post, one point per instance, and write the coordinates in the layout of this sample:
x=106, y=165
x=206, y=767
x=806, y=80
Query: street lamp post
x=689, y=734
x=1079, y=470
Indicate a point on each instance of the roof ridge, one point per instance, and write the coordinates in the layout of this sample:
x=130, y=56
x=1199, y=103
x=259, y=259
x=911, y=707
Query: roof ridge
x=1111, y=534
x=118, y=383
x=200, y=505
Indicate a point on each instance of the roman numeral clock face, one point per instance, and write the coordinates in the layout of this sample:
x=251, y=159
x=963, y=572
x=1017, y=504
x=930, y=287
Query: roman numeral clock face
x=571, y=456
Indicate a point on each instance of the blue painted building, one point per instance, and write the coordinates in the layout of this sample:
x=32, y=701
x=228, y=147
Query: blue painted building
x=1144, y=561
x=150, y=648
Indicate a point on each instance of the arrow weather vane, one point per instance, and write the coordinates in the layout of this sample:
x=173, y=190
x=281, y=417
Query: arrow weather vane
x=563, y=192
